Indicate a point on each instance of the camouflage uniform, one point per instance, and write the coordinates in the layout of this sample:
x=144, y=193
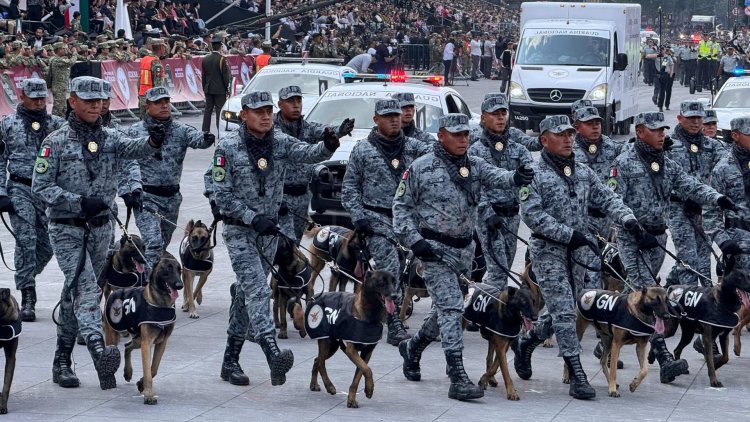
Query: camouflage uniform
x=697, y=155
x=406, y=99
x=161, y=173
x=318, y=50
x=499, y=243
x=59, y=75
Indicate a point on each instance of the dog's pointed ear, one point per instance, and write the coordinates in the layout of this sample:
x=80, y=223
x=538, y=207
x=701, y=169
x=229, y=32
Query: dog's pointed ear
x=190, y=226
x=644, y=290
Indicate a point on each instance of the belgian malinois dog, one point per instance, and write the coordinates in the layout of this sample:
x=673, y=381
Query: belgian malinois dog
x=197, y=258
x=292, y=280
x=10, y=329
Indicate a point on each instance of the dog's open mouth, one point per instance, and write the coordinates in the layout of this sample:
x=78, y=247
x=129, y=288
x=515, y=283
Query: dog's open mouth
x=358, y=273
x=658, y=325
x=528, y=324
x=138, y=266
x=173, y=294
x=390, y=307
x=744, y=298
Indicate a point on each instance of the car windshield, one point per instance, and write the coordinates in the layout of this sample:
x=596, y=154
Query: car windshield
x=310, y=84
x=733, y=98
x=333, y=112
x=564, y=47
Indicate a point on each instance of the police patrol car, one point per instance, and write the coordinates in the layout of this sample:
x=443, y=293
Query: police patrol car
x=358, y=100
x=314, y=76
x=732, y=100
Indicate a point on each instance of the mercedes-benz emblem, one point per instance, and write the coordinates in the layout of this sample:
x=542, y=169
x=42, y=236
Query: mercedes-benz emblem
x=555, y=95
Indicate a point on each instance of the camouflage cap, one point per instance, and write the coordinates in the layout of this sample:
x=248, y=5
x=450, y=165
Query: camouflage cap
x=88, y=88
x=156, y=93
x=157, y=41
x=102, y=45
x=709, y=116
x=691, y=109
x=495, y=102
x=34, y=88
x=289, y=92
x=385, y=107
x=101, y=38
x=555, y=124
x=741, y=124
x=16, y=45
x=653, y=120
x=580, y=103
x=257, y=99
x=57, y=45
x=405, y=99
x=108, y=89
x=84, y=47
x=585, y=114
x=454, y=122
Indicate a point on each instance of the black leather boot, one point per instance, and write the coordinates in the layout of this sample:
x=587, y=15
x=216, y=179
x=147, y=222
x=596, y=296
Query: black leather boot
x=461, y=386
x=396, y=331
x=599, y=349
x=523, y=347
x=411, y=350
x=230, y=367
x=579, y=383
x=669, y=368
x=62, y=371
x=28, y=302
x=279, y=361
x=106, y=360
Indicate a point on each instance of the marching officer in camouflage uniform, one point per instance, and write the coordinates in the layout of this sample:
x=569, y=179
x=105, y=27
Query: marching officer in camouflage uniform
x=408, y=107
x=59, y=75
x=297, y=195
x=697, y=154
x=247, y=185
x=433, y=213
x=498, y=209
x=73, y=174
x=375, y=167
x=161, y=172
x=555, y=207
x=645, y=176
x=531, y=143
x=711, y=124
x=23, y=133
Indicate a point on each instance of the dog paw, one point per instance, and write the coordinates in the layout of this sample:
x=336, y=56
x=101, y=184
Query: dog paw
x=737, y=349
x=184, y=307
x=194, y=315
x=149, y=400
x=566, y=380
x=140, y=385
x=717, y=384
x=127, y=374
x=199, y=298
x=314, y=387
x=331, y=389
x=352, y=404
x=369, y=391
x=614, y=393
x=4, y=410
x=302, y=333
x=283, y=335
x=492, y=381
x=513, y=395
x=548, y=343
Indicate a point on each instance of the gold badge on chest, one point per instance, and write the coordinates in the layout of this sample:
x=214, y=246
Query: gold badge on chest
x=499, y=146
x=36, y=126
x=592, y=149
x=395, y=163
x=567, y=171
x=655, y=166
x=463, y=171
x=262, y=163
x=93, y=147
x=693, y=148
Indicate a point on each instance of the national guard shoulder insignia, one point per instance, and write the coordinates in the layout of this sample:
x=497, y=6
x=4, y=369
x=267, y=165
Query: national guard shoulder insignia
x=613, y=172
x=406, y=175
x=41, y=165
x=523, y=193
x=219, y=173
x=220, y=161
x=44, y=152
x=401, y=189
x=612, y=183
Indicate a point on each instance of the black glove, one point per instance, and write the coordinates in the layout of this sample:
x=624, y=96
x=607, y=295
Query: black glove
x=345, y=128
x=646, y=240
x=91, y=206
x=730, y=247
x=523, y=175
x=363, y=227
x=209, y=137
x=283, y=209
x=668, y=143
x=726, y=204
x=156, y=135
x=330, y=140
x=264, y=225
x=134, y=199
x=423, y=250
x=6, y=205
x=577, y=240
x=692, y=208
x=632, y=226
x=215, y=211
x=495, y=222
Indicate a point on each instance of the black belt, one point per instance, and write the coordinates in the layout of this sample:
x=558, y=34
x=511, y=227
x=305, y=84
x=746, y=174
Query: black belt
x=295, y=190
x=379, y=210
x=167, y=190
x=22, y=180
x=235, y=222
x=675, y=198
x=452, y=241
x=511, y=211
x=596, y=213
x=737, y=223
x=81, y=222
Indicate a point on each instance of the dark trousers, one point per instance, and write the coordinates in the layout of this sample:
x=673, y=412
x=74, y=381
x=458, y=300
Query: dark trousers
x=447, y=64
x=487, y=66
x=34, y=13
x=664, y=85
x=213, y=103
x=688, y=71
x=648, y=71
x=704, y=73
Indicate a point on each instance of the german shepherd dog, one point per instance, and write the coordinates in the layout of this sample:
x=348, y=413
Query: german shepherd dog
x=621, y=319
x=345, y=249
x=352, y=322
x=712, y=312
x=197, y=258
x=10, y=329
x=148, y=313
x=292, y=280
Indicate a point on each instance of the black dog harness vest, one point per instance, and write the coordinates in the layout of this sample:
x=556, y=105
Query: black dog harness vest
x=329, y=315
x=329, y=240
x=194, y=264
x=10, y=331
x=295, y=281
x=120, y=279
x=699, y=304
x=127, y=309
x=482, y=310
x=607, y=307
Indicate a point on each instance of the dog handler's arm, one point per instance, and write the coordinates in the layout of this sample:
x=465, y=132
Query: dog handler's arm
x=129, y=177
x=301, y=152
x=223, y=186
x=536, y=218
x=713, y=215
x=405, y=223
x=690, y=187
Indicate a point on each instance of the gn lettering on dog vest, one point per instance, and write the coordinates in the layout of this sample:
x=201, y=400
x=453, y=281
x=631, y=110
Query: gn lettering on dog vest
x=699, y=304
x=607, y=307
x=482, y=310
x=127, y=309
x=329, y=315
x=191, y=263
x=10, y=331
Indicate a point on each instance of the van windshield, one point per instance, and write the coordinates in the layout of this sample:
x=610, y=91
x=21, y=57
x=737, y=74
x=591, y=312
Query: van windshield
x=564, y=47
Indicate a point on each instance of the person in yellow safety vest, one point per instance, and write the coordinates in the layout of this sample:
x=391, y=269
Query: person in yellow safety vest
x=151, y=72
x=262, y=59
x=715, y=55
x=705, y=47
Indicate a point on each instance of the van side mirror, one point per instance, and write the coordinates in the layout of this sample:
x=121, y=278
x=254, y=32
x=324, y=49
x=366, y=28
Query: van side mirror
x=621, y=62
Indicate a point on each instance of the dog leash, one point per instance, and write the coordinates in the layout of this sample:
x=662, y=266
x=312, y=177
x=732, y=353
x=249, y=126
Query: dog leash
x=331, y=265
x=163, y=218
x=2, y=254
x=125, y=232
